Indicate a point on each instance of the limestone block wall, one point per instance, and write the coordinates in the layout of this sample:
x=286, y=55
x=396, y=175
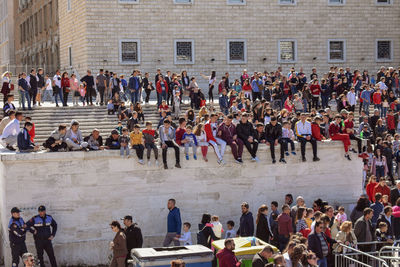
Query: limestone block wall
x=84, y=192
x=156, y=23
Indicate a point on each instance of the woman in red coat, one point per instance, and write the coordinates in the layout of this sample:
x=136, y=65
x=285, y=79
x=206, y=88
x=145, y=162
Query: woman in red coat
x=65, y=87
x=370, y=187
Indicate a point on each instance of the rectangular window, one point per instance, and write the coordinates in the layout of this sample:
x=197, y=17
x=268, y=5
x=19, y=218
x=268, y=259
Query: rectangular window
x=384, y=50
x=45, y=17
x=40, y=20
x=287, y=2
x=184, y=52
x=383, y=2
x=287, y=50
x=70, y=55
x=183, y=1
x=236, y=51
x=69, y=5
x=236, y=2
x=336, y=50
x=128, y=1
x=336, y=2
x=129, y=52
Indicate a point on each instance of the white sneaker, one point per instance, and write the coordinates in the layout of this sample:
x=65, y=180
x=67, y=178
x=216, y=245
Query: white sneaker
x=256, y=159
x=253, y=159
x=149, y=163
x=223, y=162
x=141, y=161
x=157, y=163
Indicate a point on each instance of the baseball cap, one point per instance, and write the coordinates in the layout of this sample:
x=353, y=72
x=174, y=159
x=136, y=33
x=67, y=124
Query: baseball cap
x=41, y=208
x=15, y=210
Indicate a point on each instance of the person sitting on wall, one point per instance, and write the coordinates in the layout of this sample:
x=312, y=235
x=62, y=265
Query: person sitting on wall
x=74, y=138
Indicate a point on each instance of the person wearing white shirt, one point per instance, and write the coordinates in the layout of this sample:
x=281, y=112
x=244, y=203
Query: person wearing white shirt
x=304, y=134
x=382, y=84
x=10, y=132
x=48, y=91
x=351, y=98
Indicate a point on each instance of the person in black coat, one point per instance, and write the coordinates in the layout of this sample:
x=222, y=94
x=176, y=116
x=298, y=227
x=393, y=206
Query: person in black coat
x=387, y=218
x=88, y=80
x=263, y=228
x=246, y=227
x=245, y=131
x=273, y=135
x=134, y=238
x=206, y=231
x=395, y=194
x=314, y=243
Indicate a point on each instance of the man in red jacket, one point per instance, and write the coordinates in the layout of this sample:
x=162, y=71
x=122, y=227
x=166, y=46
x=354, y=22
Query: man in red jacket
x=349, y=129
x=211, y=128
x=226, y=257
x=335, y=132
x=162, y=89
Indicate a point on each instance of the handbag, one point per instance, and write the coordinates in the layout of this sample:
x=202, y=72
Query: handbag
x=11, y=87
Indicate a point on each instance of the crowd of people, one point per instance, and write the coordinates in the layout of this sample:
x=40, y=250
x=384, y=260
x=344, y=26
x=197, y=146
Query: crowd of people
x=271, y=108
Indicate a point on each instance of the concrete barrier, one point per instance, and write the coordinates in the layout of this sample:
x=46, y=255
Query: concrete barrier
x=85, y=191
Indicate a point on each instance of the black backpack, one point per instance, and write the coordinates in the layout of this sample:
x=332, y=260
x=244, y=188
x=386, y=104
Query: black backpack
x=201, y=238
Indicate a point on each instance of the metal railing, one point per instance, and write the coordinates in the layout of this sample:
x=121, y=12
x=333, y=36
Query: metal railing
x=352, y=257
x=391, y=254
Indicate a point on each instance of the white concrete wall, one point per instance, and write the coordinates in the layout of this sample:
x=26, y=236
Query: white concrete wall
x=84, y=192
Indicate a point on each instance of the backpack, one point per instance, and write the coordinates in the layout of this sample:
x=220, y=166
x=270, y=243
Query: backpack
x=201, y=238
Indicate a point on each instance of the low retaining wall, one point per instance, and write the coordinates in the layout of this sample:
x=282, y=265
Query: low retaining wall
x=85, y=191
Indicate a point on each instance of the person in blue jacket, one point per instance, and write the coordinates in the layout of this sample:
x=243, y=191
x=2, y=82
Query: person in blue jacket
x=174, y=224
x=44, y=229
x=17, y=232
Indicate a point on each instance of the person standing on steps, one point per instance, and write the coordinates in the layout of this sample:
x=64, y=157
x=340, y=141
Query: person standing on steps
x=174, y=224
x=44, y=229
x=89, y=82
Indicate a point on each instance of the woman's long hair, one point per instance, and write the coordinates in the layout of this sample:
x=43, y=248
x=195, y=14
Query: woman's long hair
x=261, y=209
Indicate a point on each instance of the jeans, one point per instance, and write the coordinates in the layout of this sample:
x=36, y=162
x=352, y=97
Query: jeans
x=322, y=262
x=161, y=97
x=47, y=94
x=324, y=99
x=365, y=107
x=190, y=144
x=123, y=149
x=251, y=147
x=285, y=142
x=101, y=92
x=383, y=112
x=134, y=96
x=150, y=147
x=58, y=92
x=379, y=172
x=25, y=96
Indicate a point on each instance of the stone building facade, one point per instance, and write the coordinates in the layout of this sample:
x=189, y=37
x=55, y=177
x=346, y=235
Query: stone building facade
x=7, y=59
x=36, y=34
x=228, y=35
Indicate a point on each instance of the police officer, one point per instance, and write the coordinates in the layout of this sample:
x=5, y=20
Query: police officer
x=134, y=238
x=17, y=232
x=44, y=229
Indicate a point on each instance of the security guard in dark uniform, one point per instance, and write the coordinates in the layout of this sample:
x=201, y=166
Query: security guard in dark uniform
x=44, y=229
x=17, y=232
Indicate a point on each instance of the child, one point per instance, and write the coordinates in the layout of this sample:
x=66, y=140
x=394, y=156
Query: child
x=186, y=238
x=32, y=130
x=24, y=141
x=177, y=103
x=150, y=137
x=288, y=137
x=341, y=216
x=82, y=92
x=110, y=107
x=119, y=127
x=137, y=142
x=385, y=200
x=224, y=102
x=309, y=216
x=124, y=141
x=188, y=135
x=396, y=143
x=202, y=138
x=230, y=233
x=382, y=234
x=217, y=226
